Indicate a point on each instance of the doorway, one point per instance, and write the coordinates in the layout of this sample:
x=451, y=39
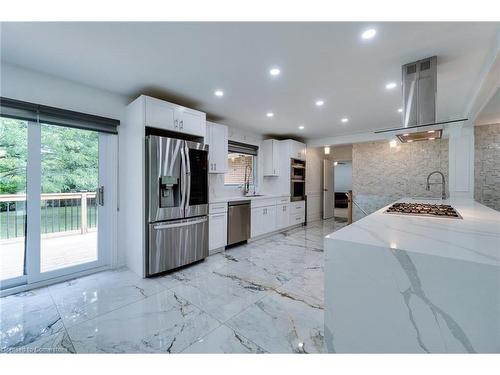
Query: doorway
x=328, y=189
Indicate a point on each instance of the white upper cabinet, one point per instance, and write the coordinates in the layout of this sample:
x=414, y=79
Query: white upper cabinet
x=271, y=153
x=217, y=139
x=159, y=114
x=298, y=150
x=164, y=115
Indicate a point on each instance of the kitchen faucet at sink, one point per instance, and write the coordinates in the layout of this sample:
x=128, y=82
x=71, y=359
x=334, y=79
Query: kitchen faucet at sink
x=246, y=183
x=443, y=183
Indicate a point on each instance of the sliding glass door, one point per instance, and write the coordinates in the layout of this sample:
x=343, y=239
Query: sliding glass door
x=13, y=166
x=51, y=201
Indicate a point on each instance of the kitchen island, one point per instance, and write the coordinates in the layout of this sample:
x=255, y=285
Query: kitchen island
x=407, y=284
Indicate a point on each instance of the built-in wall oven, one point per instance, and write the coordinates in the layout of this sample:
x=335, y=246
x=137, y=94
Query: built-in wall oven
x=177, y=203
x=297, y=180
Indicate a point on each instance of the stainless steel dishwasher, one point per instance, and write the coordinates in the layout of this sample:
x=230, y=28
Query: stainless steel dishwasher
x=238, y=222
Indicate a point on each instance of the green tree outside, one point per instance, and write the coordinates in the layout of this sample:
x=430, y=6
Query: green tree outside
x=69, y=158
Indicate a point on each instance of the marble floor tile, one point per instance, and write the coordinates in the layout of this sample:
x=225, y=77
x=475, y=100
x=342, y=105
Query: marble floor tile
x=88, y=297
x=220, y=294
x=191, y=272
x=281, y=323
x=224, y=340
x=161, y=323
x=310, y=284
x=264, y=296
x=58, y=343
x=27, y=317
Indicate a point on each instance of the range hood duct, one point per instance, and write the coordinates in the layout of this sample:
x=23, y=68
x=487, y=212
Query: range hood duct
x=419, y=92
x=419, y=86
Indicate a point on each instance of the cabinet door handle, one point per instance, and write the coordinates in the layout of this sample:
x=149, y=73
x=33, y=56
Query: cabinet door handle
x=176, y=123
x=182, y=124
x=215, y=166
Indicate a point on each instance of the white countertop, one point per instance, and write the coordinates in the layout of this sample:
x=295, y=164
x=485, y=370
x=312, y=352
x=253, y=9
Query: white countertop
x=242, y=198
x=474, y=238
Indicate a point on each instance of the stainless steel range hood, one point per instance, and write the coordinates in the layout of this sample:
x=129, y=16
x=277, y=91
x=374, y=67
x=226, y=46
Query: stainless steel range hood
x=419, y=92
x=419, y=86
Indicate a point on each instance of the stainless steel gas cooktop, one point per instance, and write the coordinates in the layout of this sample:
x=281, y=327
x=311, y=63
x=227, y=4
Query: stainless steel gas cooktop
x=424, y=209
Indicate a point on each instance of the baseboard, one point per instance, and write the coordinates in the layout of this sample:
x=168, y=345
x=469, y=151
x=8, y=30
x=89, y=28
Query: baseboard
x=273, y=233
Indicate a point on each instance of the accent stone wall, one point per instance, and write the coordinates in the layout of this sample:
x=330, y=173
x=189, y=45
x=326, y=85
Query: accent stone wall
x=382, y=175
x=487, y=165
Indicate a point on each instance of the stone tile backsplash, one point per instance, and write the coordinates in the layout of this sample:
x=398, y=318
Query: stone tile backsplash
x=383, y=174
x=487, y=165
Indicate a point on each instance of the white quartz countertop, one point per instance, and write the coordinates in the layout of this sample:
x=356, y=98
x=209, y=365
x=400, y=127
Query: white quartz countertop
x=242, y=198
x=474, y=238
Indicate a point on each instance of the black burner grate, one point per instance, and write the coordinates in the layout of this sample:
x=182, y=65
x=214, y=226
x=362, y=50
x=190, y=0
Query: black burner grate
x=424, y=209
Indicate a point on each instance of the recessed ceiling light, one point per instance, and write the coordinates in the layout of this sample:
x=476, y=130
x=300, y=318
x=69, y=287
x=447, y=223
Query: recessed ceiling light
x=431, y=131
x=319, y=102
x=431, y=138
x=344, y=120
x=400, y=110
x=406, y=135
x=301, y=127
x=269, y=114
x=393, y=143
x=368, y=34
x=275, y=72
x=390, y=85
x=219, y=93
x=409, y=140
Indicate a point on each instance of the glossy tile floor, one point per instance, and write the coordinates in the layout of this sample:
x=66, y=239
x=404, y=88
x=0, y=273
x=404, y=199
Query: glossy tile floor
x=266, y=296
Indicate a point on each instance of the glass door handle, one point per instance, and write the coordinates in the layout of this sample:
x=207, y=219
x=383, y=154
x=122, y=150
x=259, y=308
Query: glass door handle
x=99, y=197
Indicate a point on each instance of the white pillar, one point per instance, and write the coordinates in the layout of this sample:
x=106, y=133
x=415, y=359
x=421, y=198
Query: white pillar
x=461, y=161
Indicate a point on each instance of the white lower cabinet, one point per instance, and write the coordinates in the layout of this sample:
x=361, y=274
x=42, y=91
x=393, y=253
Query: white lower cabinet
x=272, y=214
x=217, y=232
x=263, y=220
x=282, y=216
x=299, y=218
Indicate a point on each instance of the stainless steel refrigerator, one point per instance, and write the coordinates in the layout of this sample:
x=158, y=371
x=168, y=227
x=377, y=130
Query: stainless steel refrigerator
x=176, y=203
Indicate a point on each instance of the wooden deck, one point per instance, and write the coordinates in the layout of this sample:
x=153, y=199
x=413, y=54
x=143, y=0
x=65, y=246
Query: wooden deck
x=58, y=251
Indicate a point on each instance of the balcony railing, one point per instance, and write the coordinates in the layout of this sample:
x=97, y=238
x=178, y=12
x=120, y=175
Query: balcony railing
x=60, y=212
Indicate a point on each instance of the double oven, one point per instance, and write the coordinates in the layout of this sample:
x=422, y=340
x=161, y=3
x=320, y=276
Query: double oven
x=297, y=180
x=176, y=203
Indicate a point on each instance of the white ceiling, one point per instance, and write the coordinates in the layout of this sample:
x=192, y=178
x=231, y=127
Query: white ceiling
x=186, y=62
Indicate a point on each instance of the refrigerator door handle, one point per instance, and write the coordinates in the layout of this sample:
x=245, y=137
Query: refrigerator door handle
x=188, y=177
x=183, y=179
x=179, y=224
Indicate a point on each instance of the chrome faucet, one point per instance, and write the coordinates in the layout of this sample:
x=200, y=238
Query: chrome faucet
x=246, y=185
x=443, y=182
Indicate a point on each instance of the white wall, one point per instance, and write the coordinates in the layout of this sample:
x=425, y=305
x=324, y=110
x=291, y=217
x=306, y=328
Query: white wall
x=31, y=86
x=28, y=85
